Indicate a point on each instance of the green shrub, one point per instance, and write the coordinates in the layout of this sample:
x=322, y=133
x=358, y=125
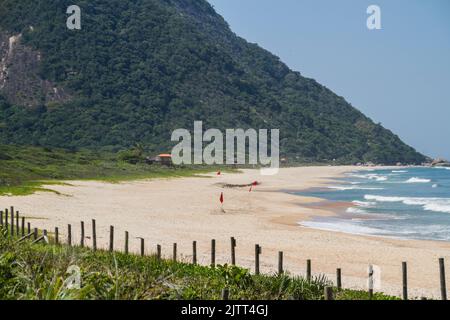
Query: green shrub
x=41, y=272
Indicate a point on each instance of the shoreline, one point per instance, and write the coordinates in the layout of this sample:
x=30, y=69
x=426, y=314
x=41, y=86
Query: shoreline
x=188, y=209
x=340, y=209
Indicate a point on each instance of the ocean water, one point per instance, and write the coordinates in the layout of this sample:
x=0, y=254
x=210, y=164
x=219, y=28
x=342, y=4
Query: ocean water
x=411, y=203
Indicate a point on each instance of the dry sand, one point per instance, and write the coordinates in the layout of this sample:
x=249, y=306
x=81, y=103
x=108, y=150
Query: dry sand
x=187, y=209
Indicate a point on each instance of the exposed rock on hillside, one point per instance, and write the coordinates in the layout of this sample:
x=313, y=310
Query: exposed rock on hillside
x=20, y=82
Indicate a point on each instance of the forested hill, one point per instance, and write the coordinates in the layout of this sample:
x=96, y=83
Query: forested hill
x=139, y=69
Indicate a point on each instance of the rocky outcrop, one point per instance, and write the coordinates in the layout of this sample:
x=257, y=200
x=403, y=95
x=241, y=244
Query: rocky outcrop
x=20, y=82
x=440, y=163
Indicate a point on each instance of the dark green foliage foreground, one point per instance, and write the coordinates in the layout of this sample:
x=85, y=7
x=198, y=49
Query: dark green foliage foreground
x=40, y=272
x=139, y=69
x=24, y=169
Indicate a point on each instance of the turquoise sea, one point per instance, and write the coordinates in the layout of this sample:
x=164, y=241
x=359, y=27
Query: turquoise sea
x=410, y=203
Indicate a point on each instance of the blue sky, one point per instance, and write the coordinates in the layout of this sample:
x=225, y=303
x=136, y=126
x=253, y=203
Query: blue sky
x=399, y=76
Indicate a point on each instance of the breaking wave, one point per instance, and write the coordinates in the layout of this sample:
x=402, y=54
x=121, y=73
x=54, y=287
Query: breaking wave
x=356, y=210
x=418, y=180
x=428, y=204
x=365, y=204
x=353, y=188
x=371, y=176
x=344, y=227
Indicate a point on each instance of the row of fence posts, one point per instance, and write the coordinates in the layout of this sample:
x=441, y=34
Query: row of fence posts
x=10, y=220
x=14, y=225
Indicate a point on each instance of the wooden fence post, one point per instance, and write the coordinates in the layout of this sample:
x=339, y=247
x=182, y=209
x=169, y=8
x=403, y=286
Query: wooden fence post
x=35, y=235
x=442, y=276
x=17, y=223
x=94, y=235
x=213, y=253
x=111, y=239
x=233, y=251
x=371, y=281
x=23, y=227
x=339, y=278
x=1, y=218
x=142, y=247
x=280, y=262
x=56, y=235
x=6, y=219
x=257, y=253
x=69, y=235
x=308, y=270
x=158, y=252
x=328, y=294
x=174, y=252
x=405, y=280
x=82, y=234
x=225, y=294
x=12, y=222
x=194, y=252
x=127, y=236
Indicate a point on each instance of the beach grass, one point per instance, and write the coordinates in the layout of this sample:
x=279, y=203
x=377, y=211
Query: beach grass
x=26, y=170
x=45, y=272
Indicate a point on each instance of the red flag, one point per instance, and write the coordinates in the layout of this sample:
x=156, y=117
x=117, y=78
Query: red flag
x=221, y=198
x=219, y=173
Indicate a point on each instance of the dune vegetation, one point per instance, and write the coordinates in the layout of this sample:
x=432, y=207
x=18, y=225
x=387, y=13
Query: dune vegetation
x=46, y=271
x=25, y=170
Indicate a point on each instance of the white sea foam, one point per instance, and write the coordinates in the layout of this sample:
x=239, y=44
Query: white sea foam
x=355, y=226
x=342, y=226
x=399, y=171
x=428, y=204
x=356, y=210
x=361, y=209
x=378, y=178
x=434, y=185
x=371, y=176
x=437, y=207
x=418, y=180
x=365, y=204
x=343, y=188
x=434, y=231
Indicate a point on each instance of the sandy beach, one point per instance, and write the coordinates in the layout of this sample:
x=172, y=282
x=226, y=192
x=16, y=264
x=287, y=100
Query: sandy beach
x=186, y=209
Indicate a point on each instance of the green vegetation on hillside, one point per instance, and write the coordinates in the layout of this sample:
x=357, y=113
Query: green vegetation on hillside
x=37, y=271
x=140, y=69
x=23, y=170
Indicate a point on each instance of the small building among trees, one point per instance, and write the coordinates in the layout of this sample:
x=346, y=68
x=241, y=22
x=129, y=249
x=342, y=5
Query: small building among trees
x=161, y=159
